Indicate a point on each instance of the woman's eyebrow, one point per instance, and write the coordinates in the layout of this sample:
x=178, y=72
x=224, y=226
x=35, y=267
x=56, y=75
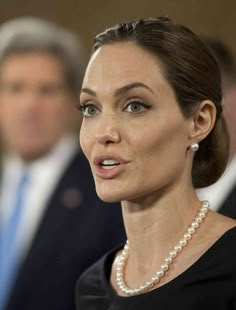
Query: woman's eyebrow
x=120, y=90
x=88, y=91
x=130, y=86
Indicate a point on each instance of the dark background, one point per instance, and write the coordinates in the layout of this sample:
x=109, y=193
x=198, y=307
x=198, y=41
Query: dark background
x=87, y=17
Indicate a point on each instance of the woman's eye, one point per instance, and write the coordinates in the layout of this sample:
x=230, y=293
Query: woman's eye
x=89, y=110
x=136, y=107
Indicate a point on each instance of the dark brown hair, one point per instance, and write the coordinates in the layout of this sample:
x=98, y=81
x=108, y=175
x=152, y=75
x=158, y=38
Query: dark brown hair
x=192, y=71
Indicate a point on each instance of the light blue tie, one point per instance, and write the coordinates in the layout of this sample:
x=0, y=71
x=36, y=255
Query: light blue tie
x=9, y=258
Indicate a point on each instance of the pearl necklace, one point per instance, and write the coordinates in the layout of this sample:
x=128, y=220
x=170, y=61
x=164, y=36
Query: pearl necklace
x=168, y=260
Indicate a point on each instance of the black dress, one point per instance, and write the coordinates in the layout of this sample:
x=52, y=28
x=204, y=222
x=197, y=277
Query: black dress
x=209, y=284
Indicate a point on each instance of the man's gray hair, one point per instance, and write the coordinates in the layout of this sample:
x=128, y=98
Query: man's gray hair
x=30, y=34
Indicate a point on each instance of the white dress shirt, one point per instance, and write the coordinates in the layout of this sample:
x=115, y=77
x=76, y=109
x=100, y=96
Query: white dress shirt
x=44, y=175
x=217, y=192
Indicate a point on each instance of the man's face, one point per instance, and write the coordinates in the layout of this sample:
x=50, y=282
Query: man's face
x=36, y=105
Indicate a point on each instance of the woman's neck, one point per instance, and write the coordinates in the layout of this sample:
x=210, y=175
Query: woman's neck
x=153, y=228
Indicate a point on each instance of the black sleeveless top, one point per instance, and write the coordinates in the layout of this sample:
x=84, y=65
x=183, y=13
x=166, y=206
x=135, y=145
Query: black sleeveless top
x=209, y=284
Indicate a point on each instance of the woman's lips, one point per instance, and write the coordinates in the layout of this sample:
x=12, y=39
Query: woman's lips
x=109, y=166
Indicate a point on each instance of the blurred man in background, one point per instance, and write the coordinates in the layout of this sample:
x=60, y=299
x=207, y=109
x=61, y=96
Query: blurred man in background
x=51, y=225
x=222, y=194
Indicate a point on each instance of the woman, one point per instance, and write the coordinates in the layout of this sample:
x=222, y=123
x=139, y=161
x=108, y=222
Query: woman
x=152, y=132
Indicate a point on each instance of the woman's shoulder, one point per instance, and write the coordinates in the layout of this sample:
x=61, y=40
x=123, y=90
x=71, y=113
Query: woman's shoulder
x=220, y=226
x=94, y=278
x=220, y=240
x=219, y=232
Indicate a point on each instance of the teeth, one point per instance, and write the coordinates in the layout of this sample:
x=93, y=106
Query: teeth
x=108, y=167
x=109, y=163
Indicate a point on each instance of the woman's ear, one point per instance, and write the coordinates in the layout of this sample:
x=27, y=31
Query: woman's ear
x=203, y=121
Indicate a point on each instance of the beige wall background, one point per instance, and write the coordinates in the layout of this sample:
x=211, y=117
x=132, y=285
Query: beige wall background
x=87, y=17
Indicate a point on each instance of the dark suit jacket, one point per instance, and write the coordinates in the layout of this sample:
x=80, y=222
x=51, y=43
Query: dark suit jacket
x=76, y=230
x=228, y=208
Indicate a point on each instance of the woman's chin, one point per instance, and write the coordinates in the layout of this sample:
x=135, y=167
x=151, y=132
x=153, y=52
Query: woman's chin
x=109, y=196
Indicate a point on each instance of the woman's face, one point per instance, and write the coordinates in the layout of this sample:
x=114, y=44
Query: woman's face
x=133, y=132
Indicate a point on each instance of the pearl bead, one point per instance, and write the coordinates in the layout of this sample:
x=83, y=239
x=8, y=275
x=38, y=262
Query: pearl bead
x=168, y=260
x=173, y=254
x=204, y=209
x=178, y=248
x=150, y=284
x=164, y=267
x=160, y=274
x=187, y=236
x=183, y=242
x=202, y=214
x=155, y=279
x=198, y=220
x=191, y=230
x=195, y=224
x=206, y=203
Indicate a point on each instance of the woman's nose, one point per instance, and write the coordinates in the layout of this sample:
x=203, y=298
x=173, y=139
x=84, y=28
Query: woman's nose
x=108, y=130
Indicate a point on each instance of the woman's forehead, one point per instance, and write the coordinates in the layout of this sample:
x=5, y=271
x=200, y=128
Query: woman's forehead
x=123, y=63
